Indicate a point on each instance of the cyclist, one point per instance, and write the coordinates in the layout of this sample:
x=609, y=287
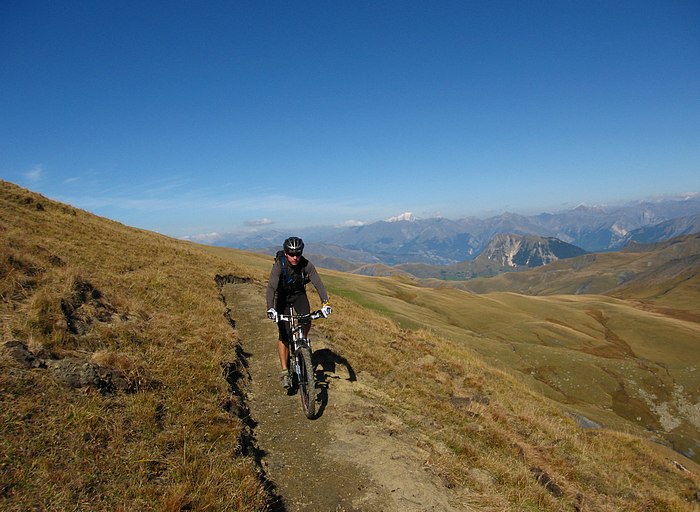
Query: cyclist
x=287, y=287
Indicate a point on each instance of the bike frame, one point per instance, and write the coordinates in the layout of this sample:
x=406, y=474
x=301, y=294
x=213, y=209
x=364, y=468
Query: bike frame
x=296, y=327
x=299, y=362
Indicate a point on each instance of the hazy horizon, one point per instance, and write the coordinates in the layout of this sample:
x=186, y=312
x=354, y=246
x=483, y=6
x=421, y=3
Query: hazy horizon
x=271, y=227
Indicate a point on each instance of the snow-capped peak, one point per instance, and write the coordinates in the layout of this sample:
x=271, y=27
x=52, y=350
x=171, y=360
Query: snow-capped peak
x=404, y=216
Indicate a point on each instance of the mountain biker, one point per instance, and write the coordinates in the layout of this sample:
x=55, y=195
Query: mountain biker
x=286, y=287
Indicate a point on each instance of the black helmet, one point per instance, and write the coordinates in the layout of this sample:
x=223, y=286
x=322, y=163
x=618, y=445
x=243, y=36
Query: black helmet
x=294, y=246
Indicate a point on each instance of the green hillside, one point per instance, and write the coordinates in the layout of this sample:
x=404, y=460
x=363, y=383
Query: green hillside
x=496, y=388
x=658, y=272
x=614, y=361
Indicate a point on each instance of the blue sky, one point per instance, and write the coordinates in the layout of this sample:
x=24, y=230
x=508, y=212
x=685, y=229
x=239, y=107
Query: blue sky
x=188, y=117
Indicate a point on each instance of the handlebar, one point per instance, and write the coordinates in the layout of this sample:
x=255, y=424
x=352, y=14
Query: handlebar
x=310, y=316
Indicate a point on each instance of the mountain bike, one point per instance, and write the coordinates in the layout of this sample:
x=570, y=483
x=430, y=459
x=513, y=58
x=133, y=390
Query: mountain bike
x=301, y=370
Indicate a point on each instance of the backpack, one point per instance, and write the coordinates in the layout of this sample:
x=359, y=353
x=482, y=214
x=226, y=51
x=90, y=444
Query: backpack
x=292, y=282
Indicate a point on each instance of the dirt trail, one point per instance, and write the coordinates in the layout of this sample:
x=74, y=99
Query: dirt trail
x=354, y=456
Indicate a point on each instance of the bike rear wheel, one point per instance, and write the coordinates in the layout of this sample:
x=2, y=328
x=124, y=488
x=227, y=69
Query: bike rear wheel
x=307, y=384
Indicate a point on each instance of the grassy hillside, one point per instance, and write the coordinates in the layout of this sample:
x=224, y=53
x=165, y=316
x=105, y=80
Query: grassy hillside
x=162, y=430
x=166, y=427
x=658, y=272
x=614, y=361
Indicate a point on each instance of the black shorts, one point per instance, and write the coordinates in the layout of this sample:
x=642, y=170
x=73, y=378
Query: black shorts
x=301, y=307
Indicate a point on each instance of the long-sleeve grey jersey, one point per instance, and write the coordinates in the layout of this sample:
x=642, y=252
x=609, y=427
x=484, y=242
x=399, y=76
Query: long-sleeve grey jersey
x=273, y=282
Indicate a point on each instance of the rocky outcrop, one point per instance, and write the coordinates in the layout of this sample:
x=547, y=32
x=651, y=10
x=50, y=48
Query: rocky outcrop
x=73, y=371
x=516, y=251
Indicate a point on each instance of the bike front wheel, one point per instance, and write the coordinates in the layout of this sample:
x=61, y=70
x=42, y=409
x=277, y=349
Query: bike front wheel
x=307, y=384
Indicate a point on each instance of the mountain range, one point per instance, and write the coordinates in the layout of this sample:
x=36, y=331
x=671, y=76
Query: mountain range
x=405, y=239
x=504, y=253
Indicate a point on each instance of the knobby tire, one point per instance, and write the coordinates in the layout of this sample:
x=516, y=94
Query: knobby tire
x=307, y=385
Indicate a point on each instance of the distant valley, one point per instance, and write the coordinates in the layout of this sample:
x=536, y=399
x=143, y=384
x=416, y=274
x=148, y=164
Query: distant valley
x=471, y=247
x=504, y=253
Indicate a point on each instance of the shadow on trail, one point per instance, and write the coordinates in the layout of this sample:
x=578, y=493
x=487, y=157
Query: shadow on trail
x=326, y=365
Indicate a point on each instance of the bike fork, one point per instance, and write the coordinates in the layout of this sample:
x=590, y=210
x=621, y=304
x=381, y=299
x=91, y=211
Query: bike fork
x=293, y=365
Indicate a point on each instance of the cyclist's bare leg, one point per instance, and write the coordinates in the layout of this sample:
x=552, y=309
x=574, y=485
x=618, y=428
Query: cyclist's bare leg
x=283, y=351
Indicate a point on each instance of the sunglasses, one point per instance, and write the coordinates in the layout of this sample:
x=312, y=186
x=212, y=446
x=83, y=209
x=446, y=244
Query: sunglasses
x=294, y=254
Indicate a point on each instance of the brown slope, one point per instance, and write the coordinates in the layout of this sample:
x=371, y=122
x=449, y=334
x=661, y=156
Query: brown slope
x=659, y=271
x=119, y=401
x=491, y=443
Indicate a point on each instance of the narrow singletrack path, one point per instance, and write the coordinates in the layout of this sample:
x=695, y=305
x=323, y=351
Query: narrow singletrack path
x=344, y=460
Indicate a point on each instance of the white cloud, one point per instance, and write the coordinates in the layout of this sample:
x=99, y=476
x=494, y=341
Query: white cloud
x=259, y=222
x=351, y=223
x=205, y=238
x=35, y=173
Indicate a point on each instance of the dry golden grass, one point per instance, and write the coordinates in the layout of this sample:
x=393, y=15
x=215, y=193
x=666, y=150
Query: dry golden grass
x=614, y=361
x=665, y=273
x=510, y=448
x=79, y=286
x=74, y=285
